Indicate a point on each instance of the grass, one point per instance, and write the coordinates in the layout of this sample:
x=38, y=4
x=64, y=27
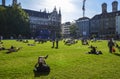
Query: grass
x=67, y=62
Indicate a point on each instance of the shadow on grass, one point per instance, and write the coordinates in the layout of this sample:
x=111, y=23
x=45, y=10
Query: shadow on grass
x=41, y=71
x=117, y=54
x=38, y=74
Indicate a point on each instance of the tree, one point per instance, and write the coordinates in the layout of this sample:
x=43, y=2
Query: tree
x=2, y=20
x=73, y=31
x=15, y=21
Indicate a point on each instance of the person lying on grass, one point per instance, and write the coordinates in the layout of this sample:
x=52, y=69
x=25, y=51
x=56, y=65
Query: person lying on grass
x=31, y=44
x=41, y=65
x=13, y=49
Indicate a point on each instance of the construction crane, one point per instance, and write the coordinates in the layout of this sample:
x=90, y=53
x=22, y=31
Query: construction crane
x=83, y=8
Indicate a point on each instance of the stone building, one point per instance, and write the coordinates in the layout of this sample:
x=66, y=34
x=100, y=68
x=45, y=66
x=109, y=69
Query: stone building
x=94, y=25
x=118, y=25
x=104, y=24
x=43, y=25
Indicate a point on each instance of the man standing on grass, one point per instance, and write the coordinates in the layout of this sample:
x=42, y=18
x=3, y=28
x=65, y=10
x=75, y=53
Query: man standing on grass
x=53, y=43
x=57, y=43
x=110, y=45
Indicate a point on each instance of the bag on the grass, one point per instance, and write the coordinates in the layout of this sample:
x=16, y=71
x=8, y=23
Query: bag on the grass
x=113, y=49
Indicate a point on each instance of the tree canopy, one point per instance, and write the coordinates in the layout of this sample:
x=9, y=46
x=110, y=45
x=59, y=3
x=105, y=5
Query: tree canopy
x=73, y=31
x=13, y=21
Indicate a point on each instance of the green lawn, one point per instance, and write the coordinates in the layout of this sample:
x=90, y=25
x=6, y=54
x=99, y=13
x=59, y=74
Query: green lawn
x=67, y=62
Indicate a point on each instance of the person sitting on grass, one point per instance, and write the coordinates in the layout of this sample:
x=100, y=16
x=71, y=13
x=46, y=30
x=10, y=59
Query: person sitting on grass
x=41, y=65
x=94, y=51
x=13, y=49
x=84, y=42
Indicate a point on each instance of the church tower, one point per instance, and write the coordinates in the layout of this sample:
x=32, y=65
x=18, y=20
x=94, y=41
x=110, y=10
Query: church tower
x=14, y=2
x=3, y=2
x=59, y=15
x=59, y=11
x=104, y=8
x=55, y=10
x=114, y=6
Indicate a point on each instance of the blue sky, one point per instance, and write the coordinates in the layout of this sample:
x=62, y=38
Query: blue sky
x=71, y=9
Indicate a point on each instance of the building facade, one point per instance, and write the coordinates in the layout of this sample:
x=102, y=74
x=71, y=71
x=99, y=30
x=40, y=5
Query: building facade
x=118, y=25
x=66, y=30
x=94, y=25
x=104, y=24
x=83, y=25
x=3, y=2
x=43, y=25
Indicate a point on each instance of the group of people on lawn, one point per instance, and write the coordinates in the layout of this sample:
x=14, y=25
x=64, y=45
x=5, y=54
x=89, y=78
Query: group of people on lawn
x=112, y=45
x=41, y=65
